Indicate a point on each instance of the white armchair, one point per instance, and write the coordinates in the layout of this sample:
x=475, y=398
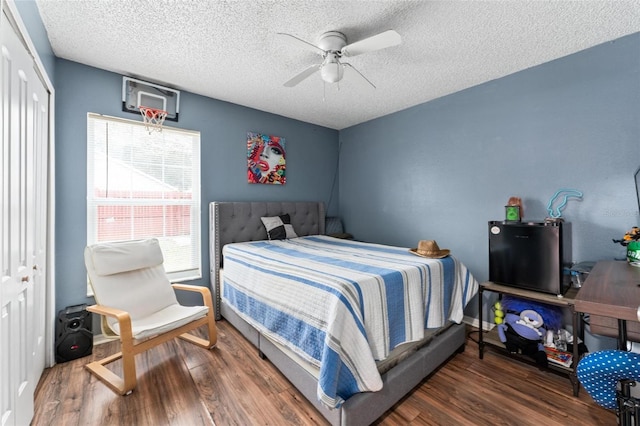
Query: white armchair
x=138, y=303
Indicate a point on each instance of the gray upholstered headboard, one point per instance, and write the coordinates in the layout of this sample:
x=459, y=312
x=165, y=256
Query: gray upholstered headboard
x=235, y=222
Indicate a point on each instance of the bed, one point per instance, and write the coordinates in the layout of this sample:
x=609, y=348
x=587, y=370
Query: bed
x=362, y=364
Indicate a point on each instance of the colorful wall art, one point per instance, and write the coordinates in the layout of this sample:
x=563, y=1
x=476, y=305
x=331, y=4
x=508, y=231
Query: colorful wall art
x=266, y=159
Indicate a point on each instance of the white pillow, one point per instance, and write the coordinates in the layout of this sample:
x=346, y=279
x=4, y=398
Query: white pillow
x=279, y=227
x=124, y=256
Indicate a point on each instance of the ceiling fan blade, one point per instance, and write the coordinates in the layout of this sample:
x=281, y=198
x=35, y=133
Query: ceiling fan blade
x=298, y=42
x=377, y=42
x=303, y=75
x=358, y=73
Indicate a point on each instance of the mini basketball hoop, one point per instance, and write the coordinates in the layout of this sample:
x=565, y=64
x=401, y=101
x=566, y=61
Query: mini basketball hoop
x=153, y=118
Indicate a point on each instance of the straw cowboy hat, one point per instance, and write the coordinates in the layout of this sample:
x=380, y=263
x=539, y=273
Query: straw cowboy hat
x=429, y=248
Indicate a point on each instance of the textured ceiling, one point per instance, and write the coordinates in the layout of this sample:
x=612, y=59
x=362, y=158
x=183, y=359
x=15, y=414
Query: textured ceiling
x=229, y=50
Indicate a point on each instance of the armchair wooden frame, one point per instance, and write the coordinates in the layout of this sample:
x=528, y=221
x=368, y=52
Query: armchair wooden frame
x=130, y=347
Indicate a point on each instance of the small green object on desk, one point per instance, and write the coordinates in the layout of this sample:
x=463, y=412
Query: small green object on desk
x=512, y=213
x=633, y=253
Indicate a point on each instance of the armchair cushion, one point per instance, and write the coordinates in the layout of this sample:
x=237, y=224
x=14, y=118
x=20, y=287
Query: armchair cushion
x=117, y=257
x=167, y=319
x=141, y=289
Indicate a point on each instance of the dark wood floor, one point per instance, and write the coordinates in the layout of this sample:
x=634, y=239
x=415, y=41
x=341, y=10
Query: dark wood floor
x=181, y=384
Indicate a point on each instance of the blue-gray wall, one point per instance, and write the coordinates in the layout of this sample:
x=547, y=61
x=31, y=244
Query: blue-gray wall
x=443, y=169
x=312, y=156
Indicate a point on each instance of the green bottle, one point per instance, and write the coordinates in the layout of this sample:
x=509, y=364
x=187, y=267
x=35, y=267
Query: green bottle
x=633, y=253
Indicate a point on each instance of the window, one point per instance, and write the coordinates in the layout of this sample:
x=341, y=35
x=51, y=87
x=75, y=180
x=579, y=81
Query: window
x=142, y=185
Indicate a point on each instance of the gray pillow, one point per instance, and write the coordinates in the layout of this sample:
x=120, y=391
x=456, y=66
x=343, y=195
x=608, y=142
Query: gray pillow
x=279, y=227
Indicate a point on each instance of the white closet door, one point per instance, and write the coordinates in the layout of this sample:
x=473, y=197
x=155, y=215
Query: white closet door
x=23, y=228
x=39, y=130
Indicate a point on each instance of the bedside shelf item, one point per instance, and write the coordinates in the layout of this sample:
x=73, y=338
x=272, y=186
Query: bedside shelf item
x=567, y=301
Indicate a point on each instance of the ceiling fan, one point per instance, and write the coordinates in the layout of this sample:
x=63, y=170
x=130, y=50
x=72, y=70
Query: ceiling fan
x=332, y=46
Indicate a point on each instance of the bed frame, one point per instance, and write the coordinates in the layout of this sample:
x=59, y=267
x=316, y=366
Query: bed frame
x=232, y=222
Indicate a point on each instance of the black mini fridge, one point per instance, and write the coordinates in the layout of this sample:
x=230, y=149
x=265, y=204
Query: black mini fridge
x=530, y=255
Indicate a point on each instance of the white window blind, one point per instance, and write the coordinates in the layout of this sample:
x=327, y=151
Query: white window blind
x=142, y=185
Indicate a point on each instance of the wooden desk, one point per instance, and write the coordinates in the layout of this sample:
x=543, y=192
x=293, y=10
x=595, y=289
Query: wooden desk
x=612, y=291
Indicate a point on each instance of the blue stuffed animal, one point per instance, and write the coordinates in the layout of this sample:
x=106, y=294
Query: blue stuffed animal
x=524, y=327
x=524, y=333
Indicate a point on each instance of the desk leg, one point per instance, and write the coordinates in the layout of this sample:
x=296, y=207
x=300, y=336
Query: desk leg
x=481, y=333
x=622, y=334
x=575, y=383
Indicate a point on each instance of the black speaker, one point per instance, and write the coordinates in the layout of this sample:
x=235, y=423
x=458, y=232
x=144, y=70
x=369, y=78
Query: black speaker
x=74, y=338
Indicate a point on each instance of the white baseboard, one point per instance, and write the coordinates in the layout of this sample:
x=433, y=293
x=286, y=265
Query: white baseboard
x=99, y=339
x=486, y=326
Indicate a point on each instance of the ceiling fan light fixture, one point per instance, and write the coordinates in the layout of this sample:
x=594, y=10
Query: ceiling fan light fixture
x=332, y=71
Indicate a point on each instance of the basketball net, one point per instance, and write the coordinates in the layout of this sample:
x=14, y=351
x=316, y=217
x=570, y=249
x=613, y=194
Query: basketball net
x=153, y=118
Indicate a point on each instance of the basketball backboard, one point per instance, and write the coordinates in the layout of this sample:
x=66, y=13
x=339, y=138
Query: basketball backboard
x=136, y=93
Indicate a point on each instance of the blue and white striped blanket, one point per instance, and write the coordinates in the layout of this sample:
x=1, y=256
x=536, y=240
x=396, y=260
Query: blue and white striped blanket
x=341, y=304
